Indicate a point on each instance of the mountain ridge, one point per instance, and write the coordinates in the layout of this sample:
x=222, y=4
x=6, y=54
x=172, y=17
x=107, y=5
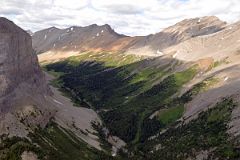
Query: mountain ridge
x=153, y=43
x=69, y=37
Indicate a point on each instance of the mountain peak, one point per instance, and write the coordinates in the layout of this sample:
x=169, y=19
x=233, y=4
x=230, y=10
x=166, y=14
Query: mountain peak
x=213, y=23
x=107, y=26
x=110, y=29
x=201, y=20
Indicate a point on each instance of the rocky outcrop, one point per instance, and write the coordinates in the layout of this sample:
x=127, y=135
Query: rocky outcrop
x=22, y=83
x=18, y=62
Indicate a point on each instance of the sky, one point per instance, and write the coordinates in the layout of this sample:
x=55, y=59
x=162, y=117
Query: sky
x=130, y=17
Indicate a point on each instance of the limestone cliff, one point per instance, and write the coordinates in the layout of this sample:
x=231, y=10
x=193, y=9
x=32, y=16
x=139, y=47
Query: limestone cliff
x=22, y=83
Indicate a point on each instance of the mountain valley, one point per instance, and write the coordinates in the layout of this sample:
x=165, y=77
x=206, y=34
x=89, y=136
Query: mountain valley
x=97, y=94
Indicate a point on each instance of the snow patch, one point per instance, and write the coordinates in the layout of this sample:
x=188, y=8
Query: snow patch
x=175, y=55
x=102, y=31
x=71, y=28
x=97, y=34
x=102, y=56
x=226, y=78
x=56, y=101
x=159, y=53
x=45, y=37
x=114, y=154
x=199, y=20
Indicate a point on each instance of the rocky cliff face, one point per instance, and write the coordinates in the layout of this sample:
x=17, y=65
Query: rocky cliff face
x=22, y=83
x=18, y=62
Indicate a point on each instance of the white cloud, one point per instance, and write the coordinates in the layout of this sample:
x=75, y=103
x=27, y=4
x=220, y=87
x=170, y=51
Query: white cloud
x=132, y=17
x=123, y=6
x=72, y=4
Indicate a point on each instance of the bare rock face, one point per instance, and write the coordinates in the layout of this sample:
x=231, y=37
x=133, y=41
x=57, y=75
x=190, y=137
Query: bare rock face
x=18, y=63
x=22, y=83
